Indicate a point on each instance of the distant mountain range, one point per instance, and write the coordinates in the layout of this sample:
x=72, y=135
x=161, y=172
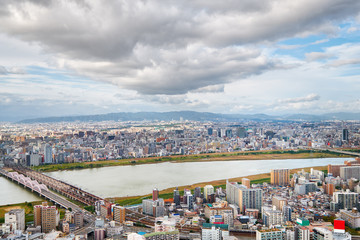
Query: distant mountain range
x=194, y=116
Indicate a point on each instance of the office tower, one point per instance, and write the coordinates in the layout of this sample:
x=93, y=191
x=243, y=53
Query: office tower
x=245, y=182
x=345, y=135
x=210, y=131
x=46, y=217
x=79, y=219
x=280, y=177
x=155, y=194
x=208, y=189
x=47, y=153
x=190, y=201
x=228, y=133
x=344, y=200
x=16, y=218
x=197, y=192
x=243, y=197
x=241, y=132
x=119, y=214
x=350, y=172
x=176, y=197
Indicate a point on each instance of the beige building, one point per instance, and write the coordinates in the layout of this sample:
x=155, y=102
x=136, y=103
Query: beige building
x=245, y=182
x=46, y=217
x=352, y=218
x=279, y=202
x=280, y=177
x=119, y=214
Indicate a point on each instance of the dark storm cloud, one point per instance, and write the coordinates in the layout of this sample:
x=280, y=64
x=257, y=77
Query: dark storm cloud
x=168, y=47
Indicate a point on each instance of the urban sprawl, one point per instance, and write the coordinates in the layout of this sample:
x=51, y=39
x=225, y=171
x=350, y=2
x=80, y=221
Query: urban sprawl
x=303, y=205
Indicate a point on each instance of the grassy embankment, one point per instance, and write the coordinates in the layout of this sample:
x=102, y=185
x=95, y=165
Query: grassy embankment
x=168, y=193
x=29, y=210
x=234, y=156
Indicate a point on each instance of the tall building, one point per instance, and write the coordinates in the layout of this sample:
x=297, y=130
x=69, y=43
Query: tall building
x=154, y=208
x=155, y=194
x=197, y=192
x=344, y=200
x=46, y=217
x=210, y=131
x=176, y=197
x=208, y=189
x=119, y=214
x=245, y=182
x=280, y=177
x=48, y=154
x=244, y=197
x=350, y=172
x=16, y=217
x=79, y=219
x=345, y=135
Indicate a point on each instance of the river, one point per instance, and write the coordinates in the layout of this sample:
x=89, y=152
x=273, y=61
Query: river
x=119, y=181
x=133, y=180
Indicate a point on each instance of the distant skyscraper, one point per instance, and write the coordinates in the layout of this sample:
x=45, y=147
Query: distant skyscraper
x=280, y=176
x=177, y=197
x=47, y=153
x=155, y=194
x=345, y=135
x=210, y=131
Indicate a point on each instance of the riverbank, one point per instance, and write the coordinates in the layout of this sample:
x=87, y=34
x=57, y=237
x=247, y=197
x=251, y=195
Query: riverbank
x=168, y=193
x=232, y=156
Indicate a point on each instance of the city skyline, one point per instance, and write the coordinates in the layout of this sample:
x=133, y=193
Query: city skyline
x=279, y=57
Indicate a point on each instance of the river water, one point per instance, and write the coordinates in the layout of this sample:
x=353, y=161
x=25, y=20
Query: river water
x=134, y=180
x=11, y=192
x=121, y=181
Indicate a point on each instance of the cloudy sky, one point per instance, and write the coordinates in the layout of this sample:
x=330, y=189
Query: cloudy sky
x=251, y=56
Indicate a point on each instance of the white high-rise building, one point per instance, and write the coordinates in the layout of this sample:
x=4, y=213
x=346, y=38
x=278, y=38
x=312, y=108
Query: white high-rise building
x=208, y=189
x=243, y=197
x=16, y=218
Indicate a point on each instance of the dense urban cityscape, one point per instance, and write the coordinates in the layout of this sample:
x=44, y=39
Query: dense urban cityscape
x=35, y=144
x=314, y=204
x=172, y=120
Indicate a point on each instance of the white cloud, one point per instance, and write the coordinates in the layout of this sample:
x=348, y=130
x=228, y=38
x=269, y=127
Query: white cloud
x=157, y=47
